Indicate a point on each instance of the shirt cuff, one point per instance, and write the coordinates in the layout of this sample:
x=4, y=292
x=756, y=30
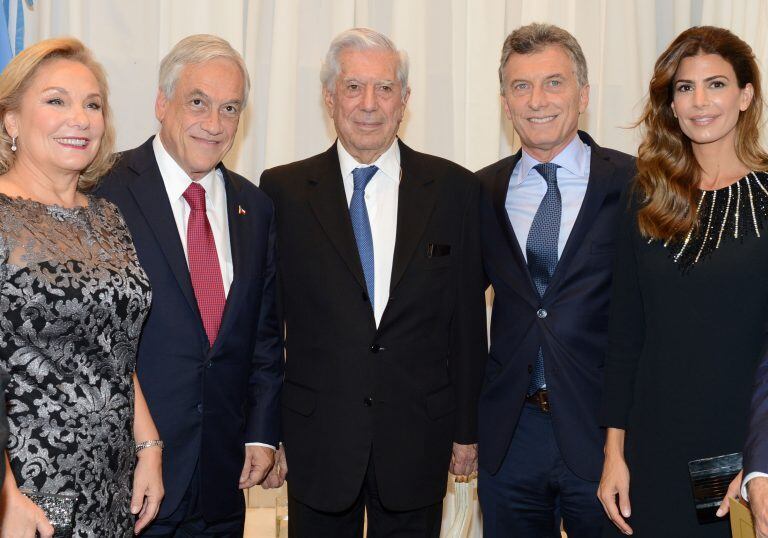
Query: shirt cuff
x=746, y=479
x=260, y=444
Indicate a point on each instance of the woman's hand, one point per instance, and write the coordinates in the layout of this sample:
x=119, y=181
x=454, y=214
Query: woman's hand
x=148, y=477
x=733, y=491
x=20, y=517
x=615, y=481
x=147, y=486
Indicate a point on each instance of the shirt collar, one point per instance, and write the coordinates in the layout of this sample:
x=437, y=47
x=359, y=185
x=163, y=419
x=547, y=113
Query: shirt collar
x=388, y=162
x=574, y=158
x=177, y=181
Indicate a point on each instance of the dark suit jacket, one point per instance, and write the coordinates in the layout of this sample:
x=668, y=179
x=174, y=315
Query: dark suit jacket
x=405, y=391
x=756, y=447
x=573, y=334
x=206, y=402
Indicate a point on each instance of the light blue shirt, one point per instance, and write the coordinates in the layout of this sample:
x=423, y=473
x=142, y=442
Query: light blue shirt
x=527, y=189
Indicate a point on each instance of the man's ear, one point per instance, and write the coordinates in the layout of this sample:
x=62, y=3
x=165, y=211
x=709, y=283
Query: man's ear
x=583, y=98
x=330, y=101
x=505, y=105
x=161, y=105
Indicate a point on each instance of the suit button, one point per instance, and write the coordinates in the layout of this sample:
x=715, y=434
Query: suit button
x=210, y=364
x=541, y=313
x=530, y=368
x=375, y=348
x=368, y=402
x=365, y=297
x=199, y=408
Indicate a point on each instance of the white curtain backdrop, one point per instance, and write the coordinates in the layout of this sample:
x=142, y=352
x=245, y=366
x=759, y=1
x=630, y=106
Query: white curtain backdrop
x=454, y=47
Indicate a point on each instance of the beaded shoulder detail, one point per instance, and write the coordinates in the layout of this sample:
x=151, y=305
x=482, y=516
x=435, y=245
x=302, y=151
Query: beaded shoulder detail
x=736, y=211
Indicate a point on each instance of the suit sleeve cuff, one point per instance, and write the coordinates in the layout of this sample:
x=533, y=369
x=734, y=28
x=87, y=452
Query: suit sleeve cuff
x=747, y=478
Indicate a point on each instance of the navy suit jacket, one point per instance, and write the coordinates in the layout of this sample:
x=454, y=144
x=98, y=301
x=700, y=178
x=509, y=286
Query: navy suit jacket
x=756, y=447
x=207, y=402
x=573, y=334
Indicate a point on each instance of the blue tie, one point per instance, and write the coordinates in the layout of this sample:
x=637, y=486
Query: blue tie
x=361, y=225
x=541, y=250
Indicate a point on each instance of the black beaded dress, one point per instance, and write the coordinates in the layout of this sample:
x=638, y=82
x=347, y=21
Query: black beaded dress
x=687, y=330
x=73, y=299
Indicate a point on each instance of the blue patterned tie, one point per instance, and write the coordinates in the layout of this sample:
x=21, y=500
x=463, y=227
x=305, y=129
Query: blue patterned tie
x=541, y=250
x=361, y=225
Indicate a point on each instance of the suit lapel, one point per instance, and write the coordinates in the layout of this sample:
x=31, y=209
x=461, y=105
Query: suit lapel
x=329, y=204
x=152, y=200
x=499, y=193
x=600, y=174
x=416, y=198
x=238, y=239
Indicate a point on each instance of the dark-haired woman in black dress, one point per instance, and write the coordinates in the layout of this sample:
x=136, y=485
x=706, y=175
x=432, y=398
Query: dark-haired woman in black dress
x=690, y=301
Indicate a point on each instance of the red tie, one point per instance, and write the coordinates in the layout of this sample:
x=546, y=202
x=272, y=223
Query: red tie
x=204, y=263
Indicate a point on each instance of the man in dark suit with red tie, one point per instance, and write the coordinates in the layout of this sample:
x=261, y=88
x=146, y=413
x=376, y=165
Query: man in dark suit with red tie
x=382, y=297
x=210, y=357
x=548, y=219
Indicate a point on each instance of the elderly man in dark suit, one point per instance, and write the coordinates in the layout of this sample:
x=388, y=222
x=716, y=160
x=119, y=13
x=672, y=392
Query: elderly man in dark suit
x=210, y=358
x=548, y=217
x=382, y=297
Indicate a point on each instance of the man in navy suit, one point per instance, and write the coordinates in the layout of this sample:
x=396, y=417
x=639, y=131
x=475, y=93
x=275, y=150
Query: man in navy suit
x=754, y=487
x=210, y=358
x=548, y=215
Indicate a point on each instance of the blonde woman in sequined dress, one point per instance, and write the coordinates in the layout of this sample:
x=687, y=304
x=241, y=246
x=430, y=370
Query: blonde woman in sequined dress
x=690, y=297
x=73, y=299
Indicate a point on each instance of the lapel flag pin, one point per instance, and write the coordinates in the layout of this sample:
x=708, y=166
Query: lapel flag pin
x=240, y=210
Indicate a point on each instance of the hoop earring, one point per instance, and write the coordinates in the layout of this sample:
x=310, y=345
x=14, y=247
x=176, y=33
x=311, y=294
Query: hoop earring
x=13, y=144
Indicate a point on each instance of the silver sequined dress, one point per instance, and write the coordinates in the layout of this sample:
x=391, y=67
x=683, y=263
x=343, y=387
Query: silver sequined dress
x=73, y=299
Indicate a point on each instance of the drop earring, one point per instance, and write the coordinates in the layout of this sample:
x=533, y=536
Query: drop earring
x=13, y=144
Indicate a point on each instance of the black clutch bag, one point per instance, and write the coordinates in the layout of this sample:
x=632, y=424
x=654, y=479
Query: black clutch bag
x=710, y=478
x=59, y=508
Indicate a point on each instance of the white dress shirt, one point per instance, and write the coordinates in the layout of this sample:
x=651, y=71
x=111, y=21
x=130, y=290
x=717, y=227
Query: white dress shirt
x=527, y=189
x=381, y=195
x=744, y=480
x=177, y=181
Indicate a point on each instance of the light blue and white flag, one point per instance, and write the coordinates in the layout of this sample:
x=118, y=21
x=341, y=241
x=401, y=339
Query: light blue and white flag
x=11, y=29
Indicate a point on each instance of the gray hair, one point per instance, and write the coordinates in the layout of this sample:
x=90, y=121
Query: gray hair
x=196, y=49
x=361, y=39
x=534, y=38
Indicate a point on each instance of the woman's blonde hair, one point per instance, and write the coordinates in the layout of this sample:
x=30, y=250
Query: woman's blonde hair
x=668, y=173
x=16, y=79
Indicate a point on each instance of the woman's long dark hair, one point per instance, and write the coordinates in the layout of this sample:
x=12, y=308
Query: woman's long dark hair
x=668, y=173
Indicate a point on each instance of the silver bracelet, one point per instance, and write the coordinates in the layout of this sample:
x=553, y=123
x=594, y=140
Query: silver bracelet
x=146, y=444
